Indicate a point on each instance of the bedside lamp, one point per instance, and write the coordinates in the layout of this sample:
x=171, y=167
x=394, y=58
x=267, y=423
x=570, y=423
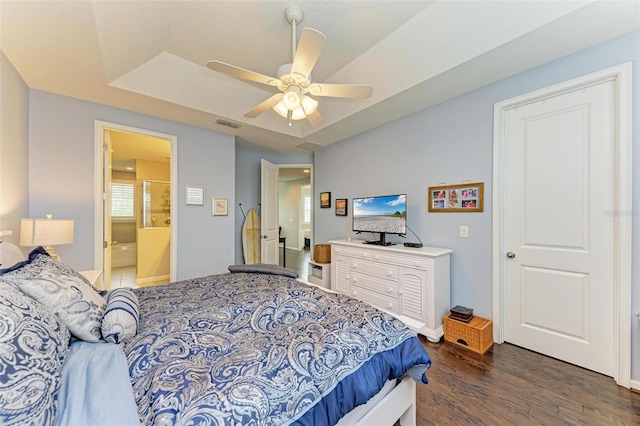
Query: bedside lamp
x=46, y=232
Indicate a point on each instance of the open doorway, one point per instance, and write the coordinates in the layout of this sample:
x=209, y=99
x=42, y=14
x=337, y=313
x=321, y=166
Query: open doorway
x=295, y=216
x=135, y=223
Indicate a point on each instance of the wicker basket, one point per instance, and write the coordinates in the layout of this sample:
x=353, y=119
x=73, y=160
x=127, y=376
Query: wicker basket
x=322, y=253
x=475, y=335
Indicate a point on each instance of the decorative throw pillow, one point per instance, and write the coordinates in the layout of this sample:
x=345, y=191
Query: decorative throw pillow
x=121, y=318
x=63, y=291
x=33, y=344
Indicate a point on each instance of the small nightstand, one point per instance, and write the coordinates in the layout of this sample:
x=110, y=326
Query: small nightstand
x=320, y=274
x=94, y=276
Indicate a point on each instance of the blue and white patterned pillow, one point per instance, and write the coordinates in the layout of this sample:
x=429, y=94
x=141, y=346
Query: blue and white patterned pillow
x=33, y=344
x=63, y=291
x=121, y=318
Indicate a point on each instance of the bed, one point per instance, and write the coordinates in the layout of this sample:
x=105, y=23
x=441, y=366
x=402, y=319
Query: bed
x=251, y=346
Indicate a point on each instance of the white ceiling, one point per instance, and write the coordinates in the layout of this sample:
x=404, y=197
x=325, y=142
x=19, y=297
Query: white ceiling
x=150, y=56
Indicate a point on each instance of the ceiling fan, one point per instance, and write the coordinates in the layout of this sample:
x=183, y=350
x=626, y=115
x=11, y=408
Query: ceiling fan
x=294, y=79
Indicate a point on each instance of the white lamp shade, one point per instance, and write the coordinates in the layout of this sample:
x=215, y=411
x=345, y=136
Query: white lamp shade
x=45, y=232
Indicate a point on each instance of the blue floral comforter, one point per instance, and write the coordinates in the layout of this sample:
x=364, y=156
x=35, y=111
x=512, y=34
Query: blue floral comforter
x=260, y=349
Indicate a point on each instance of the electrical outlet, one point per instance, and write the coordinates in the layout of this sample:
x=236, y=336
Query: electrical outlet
x=464, y=231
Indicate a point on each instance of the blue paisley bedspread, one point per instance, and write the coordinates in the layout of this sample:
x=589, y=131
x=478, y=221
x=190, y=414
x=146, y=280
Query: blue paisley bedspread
x=259, y=349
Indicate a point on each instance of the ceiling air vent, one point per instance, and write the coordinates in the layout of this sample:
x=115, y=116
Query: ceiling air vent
x=309, y=146
x=228, y=124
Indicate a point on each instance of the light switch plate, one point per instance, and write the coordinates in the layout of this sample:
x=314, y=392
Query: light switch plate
x=464, y=231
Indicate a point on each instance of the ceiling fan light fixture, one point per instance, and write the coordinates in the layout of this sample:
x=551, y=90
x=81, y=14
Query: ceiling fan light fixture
x=291, y=98
x=281, y=109
x=309, y=105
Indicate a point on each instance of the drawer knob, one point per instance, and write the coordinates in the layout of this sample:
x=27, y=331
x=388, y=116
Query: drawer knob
x=388, y=273
x=354, y=265
x=389, y=306
x=416, y=264
x=376, y=257
x=389, y=290
x=355, y=293
x=364, y=255
x=355, y=279
x=399, y=292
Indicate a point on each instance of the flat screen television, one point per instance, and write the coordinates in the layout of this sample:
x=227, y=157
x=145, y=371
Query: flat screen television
x=386, y=214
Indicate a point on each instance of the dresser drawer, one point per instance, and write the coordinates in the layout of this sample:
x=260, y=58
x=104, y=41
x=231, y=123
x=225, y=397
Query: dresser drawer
x=409, y=261
x=389, y=304
x=352, y=252
x=378, y=269
x=387, y=288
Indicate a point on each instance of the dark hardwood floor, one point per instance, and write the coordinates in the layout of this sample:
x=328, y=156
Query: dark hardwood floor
x=513, y=386
x=297, y=261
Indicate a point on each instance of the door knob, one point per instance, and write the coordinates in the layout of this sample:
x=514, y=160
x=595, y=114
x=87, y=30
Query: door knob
x=511, y=254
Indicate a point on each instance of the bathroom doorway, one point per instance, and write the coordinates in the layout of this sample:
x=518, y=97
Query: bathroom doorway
x=136, y=218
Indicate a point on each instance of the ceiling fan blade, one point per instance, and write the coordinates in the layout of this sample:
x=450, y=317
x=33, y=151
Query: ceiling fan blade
x=264, y=106
x=315, y=118
x=237, y=72
x=360, y=91
x=309, y=47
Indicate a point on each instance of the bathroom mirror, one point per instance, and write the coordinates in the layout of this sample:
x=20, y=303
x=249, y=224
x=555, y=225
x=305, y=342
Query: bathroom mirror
x=156, y=204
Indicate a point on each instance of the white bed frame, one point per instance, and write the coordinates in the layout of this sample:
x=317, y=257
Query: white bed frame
x=399, y=404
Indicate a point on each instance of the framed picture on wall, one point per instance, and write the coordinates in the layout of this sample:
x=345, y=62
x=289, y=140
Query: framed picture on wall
x=325, y=200
x=341, y=206
x=466, y=197
x=219, y=207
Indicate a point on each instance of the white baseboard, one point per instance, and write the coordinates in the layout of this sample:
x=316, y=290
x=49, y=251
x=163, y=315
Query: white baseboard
x=635, y=385
x=153, y=279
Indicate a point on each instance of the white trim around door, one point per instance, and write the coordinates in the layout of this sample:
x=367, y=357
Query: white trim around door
x=622, y=215
x=99, y=128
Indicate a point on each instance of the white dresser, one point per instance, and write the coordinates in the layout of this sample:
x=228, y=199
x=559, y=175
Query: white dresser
x=411, y=283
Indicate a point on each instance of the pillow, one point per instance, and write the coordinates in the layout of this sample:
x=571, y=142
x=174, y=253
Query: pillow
x=63, y=291
x=263, y=268
x=33, y=344
x=10, y=255
x=34, y=253
x=121, y=318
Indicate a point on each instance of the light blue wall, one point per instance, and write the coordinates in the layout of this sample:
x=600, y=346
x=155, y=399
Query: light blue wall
x=452, y=142
x=61, y=174
x=14, y=150
x=248, y=184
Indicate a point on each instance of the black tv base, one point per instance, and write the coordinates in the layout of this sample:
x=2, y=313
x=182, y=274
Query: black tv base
x=380, y=243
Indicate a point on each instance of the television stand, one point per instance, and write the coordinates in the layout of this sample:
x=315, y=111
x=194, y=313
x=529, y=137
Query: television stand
x=410, y=283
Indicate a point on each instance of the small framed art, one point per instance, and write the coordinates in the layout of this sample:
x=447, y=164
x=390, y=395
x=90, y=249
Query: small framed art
x=325, y=200
x=341, y=206
x=220, y=207
x=466, y=197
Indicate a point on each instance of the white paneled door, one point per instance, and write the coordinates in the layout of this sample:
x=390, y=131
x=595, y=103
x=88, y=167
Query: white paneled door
x=559, y=240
